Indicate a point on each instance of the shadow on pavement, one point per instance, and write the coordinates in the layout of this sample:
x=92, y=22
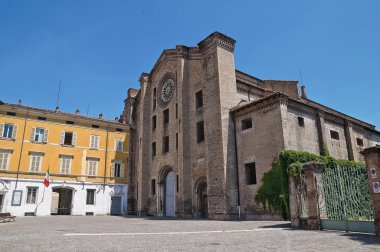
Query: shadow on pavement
x=281, y=225
x=365, y=239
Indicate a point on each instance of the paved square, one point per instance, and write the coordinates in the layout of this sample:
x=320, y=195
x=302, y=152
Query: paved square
x=111, y=233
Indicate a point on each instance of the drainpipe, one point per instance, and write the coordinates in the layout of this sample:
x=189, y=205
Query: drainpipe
x=236, y=166
x=22, y=147
x=105, y=160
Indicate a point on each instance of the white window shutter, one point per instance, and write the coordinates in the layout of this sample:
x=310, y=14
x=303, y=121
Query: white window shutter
x=122, y=168
x=112, y=170
x=14, y=133
x=62, y=139
x=46, y=135
x=97, y=142
x=90, y=142
x=1, y=129
x=32, y=134
x=115, y=144
x=74, y=142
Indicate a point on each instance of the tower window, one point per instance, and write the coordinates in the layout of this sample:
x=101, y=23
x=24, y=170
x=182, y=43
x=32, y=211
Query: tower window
x=166, y=116
x=153, y=187
x=200, y=131
x=250, y=173
x=154, y=98
x=246, y=124
x=199, y=99
x=154, y=122
x=166, y=144
x=301, y=122
x=153, y=149
x=334, y=135
x=359, y=142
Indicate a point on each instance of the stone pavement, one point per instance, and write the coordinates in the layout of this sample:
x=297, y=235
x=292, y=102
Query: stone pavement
x=112, y=233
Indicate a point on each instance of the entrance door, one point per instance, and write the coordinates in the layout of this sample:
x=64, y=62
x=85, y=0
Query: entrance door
x=1, y=202
x=169, y=195
x=64, y=201
x=116, y=205
x=202, y=200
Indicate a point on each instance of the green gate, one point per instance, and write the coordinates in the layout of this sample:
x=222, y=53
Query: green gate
x=344, y=199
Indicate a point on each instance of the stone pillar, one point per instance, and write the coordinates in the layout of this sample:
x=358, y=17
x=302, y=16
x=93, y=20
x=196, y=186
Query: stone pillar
x=348, y=134
x=312, y=169
x=321, y=130
x=372, y=160
x=293, y=204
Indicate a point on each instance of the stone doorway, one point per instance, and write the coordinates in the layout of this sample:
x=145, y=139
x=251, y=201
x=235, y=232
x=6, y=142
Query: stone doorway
x=65, y=196
x=202, y=201
x=166, y=192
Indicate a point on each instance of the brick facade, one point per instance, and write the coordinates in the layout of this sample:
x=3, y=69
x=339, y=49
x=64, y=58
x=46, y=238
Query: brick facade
x=230, y=161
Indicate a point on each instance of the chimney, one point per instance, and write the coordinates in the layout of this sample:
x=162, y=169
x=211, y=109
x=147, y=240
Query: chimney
x=57, y=109
x=303, y=92
x=20, y=102
x=77, y=111
x=100, y=116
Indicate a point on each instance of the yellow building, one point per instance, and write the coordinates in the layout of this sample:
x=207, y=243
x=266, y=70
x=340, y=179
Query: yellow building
x=87, y=159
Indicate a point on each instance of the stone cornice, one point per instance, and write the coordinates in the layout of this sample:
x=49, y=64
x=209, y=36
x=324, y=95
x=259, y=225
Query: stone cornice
x=217, y=39
x=266, y=103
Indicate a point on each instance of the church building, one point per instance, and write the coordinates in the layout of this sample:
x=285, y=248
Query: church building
x=202, y=133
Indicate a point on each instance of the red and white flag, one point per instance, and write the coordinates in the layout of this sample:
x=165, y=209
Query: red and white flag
x=47, y=179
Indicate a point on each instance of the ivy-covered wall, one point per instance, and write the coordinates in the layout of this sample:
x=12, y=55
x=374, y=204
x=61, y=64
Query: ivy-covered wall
x=274, y=191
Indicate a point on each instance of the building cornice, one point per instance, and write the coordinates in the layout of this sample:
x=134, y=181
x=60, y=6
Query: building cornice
x=59, y=115
x=217, y=39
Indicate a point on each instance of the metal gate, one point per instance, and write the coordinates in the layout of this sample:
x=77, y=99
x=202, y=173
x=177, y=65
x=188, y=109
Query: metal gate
x=344, y=199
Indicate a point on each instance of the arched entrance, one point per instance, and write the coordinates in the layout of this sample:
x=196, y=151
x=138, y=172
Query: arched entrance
x=166, y=192
x=201, y=195
x=61, y=200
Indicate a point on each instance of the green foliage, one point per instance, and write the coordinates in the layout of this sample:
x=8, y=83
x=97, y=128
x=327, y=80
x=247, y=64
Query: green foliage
x=274, y=191
x=325, y=151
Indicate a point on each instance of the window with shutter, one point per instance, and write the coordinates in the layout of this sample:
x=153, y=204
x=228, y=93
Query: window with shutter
x=62, y=138
x=74, y=139
x=119, y=145
x=94, y=142
x=31, y=197
x=4, y=159
x=46, y=136
x=112, y=170
x=66, y=164
x=39, y=134
x=1, y=129
x=14, y=135
x=32, y=134
x=35, y=163
x=92, y=166
x=8, y=131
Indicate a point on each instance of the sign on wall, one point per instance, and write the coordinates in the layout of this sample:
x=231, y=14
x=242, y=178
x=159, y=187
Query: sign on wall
x=376, y=187
x=16, y=198
x=372, y=170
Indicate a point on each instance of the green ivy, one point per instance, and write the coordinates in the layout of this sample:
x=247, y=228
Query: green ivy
x=274, y=191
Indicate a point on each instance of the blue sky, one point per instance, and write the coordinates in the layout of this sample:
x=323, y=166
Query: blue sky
x=98, y=49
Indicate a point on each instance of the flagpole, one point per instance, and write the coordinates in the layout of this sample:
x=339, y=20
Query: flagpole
x=43, y=194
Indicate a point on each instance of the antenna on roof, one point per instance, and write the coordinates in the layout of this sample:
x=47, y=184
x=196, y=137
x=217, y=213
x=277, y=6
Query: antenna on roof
x=301, y=76
x=59, y=91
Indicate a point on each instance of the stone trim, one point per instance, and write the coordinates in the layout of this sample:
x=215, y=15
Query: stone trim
x=217, y=39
